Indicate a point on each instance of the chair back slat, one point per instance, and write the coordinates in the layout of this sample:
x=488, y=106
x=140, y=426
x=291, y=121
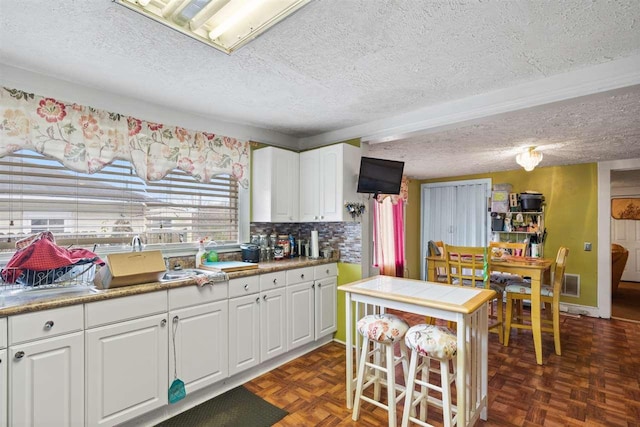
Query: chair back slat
x=498, y=249
x=466, y=265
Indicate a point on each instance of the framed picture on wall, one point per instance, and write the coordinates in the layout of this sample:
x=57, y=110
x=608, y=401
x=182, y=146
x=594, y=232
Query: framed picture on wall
x=625, y=208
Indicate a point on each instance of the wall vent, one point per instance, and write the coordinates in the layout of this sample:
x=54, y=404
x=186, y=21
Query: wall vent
x=571, y=285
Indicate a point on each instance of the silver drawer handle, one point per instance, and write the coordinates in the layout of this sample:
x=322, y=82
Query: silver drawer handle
x=327, y=271
x=302, y=276
x=176, y=319
x=163, y=322
x=19, y=355
x=258, y=300
x=246, y=287
x=264, y=297
x=48, y=325
x=275, y=281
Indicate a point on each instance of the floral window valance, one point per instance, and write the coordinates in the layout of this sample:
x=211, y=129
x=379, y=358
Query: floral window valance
x=86, y=139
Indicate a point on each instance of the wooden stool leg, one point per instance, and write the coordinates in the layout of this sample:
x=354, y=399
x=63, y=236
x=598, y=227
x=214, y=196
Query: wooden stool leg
x=410, y=385
x=361, y=371
x=425, y=376
x=446, y=392
x=391, y=385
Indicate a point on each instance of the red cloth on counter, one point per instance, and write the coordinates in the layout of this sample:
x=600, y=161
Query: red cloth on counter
x=43, y=254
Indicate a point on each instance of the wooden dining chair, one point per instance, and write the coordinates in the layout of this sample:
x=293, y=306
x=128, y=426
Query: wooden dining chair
x=469, y=266
x=436, y=249
x=550, y=297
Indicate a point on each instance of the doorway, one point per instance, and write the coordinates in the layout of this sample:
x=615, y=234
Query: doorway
x=605, y=170
x=625, y=302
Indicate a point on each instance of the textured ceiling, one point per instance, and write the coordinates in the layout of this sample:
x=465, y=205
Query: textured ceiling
x=337, y=64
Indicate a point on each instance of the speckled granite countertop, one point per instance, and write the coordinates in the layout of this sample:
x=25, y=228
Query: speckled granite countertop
x=36, y=300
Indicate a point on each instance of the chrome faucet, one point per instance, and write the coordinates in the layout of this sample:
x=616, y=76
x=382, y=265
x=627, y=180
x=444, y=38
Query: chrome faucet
x=136, y=241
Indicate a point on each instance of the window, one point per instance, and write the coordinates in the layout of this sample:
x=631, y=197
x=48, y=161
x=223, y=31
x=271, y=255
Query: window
x=112, y=205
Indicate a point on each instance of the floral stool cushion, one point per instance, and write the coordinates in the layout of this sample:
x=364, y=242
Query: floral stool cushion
x=433, y=341
x=384, y=328
x=525, y=288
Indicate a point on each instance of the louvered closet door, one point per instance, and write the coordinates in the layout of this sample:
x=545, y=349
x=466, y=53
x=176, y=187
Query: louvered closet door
x=456, y=213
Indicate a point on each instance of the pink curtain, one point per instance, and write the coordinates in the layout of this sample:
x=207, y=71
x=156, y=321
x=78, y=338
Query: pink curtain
x=388, y=231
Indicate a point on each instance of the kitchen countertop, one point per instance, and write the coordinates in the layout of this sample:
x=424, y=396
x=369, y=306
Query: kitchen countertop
x=36, y=300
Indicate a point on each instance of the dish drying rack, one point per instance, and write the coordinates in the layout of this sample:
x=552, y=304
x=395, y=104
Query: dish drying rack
x=72, y=276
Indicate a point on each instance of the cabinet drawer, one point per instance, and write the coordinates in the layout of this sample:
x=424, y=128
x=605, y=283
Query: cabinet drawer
x=299, y=275
x=244, y=286
x=120, y=309
x=194, y=295
x=3, y=332
x=324, y=271
x=44, y=324
x=272, y=280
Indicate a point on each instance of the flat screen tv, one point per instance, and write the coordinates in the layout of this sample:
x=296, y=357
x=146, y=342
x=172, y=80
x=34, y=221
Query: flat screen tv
x=380, y=176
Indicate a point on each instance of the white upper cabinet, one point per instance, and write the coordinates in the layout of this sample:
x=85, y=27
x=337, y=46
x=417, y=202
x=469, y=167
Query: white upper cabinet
x=275, y=185
x=328, y=178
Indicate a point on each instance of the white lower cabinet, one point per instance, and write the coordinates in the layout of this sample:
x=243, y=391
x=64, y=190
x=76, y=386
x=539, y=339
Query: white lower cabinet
x=326, y=321
x=47, y=382
x=201, y=356
x=46, y=368
x=3, y=388
x=3, y=373
x=300, y=314
x=244, y=333
x=127, y=360
x=273, y=323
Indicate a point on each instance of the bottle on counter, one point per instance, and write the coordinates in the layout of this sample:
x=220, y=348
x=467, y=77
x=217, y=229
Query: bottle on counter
x=283, y=240
x=201, y=255
x=292, y=246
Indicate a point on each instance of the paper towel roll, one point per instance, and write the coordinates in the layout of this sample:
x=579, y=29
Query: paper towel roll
x=315, y=248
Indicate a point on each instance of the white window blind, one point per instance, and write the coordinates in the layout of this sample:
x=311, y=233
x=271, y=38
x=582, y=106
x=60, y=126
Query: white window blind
x=112, y=205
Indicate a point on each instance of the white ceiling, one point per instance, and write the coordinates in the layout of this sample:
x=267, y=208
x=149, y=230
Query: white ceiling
x=451, y=88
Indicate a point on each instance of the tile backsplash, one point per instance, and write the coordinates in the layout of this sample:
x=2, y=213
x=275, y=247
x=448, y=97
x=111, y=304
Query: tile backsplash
x=343, y=236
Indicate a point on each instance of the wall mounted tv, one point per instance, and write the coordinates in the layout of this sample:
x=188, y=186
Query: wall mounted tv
x=380, y=176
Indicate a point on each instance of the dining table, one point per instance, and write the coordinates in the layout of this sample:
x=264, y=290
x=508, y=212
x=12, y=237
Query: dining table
x=461, y=304
x=538, y=269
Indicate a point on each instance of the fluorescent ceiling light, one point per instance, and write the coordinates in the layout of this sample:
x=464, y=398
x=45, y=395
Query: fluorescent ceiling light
x=226, y=25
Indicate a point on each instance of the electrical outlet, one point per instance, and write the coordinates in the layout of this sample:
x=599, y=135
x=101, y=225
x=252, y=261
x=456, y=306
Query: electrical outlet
x=587, y=246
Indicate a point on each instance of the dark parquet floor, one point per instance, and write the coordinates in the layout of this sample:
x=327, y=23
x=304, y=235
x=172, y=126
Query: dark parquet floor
x=596, y=381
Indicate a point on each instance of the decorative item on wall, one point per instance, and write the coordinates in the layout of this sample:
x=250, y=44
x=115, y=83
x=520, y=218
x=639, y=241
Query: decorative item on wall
x=355, y=209
x=625, y=208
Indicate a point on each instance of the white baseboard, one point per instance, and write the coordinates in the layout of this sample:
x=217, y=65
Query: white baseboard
x=583, y=310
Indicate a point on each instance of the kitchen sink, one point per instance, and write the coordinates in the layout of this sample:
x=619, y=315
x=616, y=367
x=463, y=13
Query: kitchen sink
x=173, y=275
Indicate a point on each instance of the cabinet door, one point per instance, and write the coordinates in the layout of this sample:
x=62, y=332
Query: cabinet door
x=273, y=323
x=46, y=382
x=330, y=169
x=286, y=180
x=309, y=186
x=126, y=369
x=244, y=333
x=325, y=301
x=300, y=314
x=201, y=355
x=275, y=188
x=3, y=388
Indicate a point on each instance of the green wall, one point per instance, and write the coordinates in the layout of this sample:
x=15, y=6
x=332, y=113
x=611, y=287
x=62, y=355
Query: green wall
x=571, y=199
x=347, y=273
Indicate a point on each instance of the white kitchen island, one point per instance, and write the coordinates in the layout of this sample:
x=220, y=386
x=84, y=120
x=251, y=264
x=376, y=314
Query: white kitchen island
x=464, y=305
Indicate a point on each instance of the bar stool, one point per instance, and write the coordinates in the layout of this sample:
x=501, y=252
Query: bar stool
x=384, y=331
x=430, y=342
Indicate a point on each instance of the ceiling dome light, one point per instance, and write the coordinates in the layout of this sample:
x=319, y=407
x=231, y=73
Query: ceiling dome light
x=529, y=159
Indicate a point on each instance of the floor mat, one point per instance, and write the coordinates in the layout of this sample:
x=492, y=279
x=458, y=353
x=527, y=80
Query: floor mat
x=236, y=408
